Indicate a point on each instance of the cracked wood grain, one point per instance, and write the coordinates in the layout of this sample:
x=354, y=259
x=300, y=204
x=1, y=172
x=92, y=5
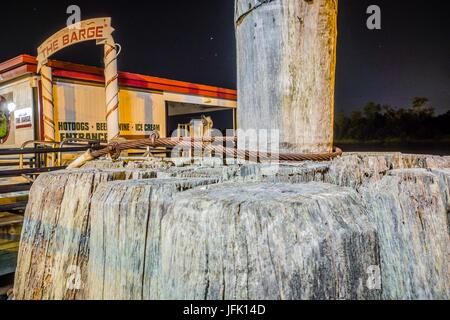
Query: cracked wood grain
x=249, y=231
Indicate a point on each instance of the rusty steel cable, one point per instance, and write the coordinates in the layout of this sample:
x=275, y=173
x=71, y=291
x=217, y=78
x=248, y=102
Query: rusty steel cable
x=114, y=149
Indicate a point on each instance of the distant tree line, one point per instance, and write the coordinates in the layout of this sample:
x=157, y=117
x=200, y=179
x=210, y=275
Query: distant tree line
x=385, y=123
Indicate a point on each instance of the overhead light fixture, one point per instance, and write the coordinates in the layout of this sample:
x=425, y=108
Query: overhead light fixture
x=11, y=107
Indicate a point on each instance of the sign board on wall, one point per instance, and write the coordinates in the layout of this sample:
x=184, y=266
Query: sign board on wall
x=24, y=118
x=81, y=114
x=93, y=29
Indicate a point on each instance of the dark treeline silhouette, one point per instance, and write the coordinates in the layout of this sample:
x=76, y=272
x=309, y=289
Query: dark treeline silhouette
x=384, y=123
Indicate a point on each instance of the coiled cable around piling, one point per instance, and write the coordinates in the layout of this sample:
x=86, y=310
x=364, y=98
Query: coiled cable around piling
x=114, y=149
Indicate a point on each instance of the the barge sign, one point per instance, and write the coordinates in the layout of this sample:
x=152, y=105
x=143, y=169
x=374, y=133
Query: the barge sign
x=93, y=29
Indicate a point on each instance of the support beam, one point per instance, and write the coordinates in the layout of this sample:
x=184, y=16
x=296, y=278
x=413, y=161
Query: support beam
x=47, y=103
x=112, y=90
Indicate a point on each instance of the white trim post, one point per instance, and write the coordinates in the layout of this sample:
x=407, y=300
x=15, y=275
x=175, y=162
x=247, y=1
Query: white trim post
x=112, y=90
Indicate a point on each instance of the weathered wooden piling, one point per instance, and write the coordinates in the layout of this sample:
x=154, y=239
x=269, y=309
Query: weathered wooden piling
x=54, y=247
x=266, y=241
x=286, y=53
x=366, y=226
x=409, y=209
x=125, y=246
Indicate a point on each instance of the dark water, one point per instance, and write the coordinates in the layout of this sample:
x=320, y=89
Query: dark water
x=442, y=149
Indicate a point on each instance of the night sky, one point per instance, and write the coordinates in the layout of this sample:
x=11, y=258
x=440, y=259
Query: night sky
x=194, y=41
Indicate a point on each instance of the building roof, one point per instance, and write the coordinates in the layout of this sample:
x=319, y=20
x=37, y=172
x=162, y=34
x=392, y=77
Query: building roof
x=26, y=64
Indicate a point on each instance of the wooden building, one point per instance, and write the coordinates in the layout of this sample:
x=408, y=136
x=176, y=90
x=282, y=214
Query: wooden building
x=146, y=103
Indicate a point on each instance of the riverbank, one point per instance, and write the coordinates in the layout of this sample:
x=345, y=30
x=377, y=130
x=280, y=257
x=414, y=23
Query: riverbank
x=415, y=147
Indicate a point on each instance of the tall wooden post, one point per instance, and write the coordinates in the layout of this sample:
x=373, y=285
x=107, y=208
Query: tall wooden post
x=286, y=53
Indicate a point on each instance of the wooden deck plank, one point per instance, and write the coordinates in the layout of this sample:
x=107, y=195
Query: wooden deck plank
x=5, y=248
x=11, y=220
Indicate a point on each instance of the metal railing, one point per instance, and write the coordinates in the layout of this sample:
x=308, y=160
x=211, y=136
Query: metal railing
x=47, y=157
x=37, y=143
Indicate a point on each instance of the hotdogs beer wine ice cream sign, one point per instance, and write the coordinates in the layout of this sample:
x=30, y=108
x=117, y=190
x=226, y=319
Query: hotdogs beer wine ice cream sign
x=98, y=130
